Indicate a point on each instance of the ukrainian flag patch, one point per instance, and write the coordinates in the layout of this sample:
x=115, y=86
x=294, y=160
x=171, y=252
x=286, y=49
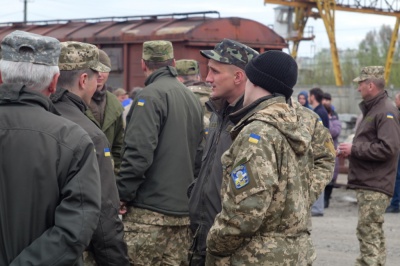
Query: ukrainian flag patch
x=254, y=138
x=206, y=131
x=240, y=176
x=320, y=121
x=389, y=115
x=141, y=102
x=107, y=152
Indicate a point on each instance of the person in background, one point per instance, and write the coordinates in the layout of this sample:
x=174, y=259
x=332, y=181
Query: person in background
x=132, y=96
x=76, y=86
x=373, y=157
x=335, y=127
x=394, y=206
x=327, y=101
x=122, y=96
x=302, y=98
x=106, y=112
x=164, y=131
x=50, y=184
x=228, y=80
x=189, y=74
x=315, y=100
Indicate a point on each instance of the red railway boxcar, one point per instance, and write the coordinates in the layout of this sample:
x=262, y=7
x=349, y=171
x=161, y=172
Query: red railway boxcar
x=122, y=37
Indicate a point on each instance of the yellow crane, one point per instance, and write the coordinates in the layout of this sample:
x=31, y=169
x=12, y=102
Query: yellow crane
x=325, y=9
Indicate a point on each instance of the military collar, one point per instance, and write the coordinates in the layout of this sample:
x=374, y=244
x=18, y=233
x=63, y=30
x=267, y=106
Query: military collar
x=18, y=93
x=63, y=95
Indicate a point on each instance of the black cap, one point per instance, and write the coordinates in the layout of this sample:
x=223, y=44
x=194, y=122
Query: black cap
x=274, y=71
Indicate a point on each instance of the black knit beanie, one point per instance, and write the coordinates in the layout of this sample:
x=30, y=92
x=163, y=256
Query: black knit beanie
x=274, y=71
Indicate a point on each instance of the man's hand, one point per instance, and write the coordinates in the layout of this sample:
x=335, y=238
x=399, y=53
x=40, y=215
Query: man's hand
x=344, y=150
x=122, y=207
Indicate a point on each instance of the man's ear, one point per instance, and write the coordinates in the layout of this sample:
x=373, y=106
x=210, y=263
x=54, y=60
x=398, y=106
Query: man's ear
x=83, y=79
x=239, y=77
x=1, y=81
x=143, y=64
x=53, y=84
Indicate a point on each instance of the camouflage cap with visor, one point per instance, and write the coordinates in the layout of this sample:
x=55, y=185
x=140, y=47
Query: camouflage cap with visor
x=377, y=72
x=187, y=67
x=157, y=51
x=21, y=46
x=231, y=52
x=78, y=55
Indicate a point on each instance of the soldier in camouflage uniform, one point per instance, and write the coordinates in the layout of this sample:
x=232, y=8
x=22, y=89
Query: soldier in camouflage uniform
x=228, y=79
x=189, y=75
x=373, y=159
x=265, y=193
x=164, y=130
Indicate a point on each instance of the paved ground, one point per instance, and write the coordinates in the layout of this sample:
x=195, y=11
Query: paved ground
x=334, y=234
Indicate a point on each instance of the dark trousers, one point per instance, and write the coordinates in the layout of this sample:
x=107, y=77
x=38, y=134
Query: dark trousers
x=395, y=203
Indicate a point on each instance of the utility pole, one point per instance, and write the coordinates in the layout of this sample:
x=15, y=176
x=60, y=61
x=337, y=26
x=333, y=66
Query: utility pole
x=25, y=10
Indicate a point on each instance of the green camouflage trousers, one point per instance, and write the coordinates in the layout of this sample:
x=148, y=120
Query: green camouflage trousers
x=155, y=244
x=88, y=259
x=371, y=209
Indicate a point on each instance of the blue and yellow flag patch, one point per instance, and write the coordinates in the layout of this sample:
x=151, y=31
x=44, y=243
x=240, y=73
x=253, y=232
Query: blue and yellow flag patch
x=141, y=102
x=389, y=115
x=240, y=176
x=107, y=152
x=320, y=121
x=206, y=131
x=254, y=138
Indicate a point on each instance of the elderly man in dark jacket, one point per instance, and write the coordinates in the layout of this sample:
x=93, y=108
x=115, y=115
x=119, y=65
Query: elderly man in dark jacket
x=373, y=159
x=50, y=187
x=76, y=86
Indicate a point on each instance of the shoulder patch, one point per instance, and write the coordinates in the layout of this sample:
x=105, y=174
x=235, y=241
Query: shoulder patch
x=320, y=121
x=254, y=138
x=141, y=102
x=107, y=152
x=390, y=115
x=240, y=176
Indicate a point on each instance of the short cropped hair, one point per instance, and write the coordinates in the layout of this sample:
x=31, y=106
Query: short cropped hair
x=33, y=76
x=68, y=78
x=154, y=65
x=318, y=94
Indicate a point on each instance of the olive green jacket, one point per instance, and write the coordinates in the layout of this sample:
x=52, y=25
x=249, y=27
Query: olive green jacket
x=113, y=126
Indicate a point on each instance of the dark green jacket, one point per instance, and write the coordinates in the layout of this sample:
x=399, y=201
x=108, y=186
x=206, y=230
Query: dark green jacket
x=112, y=126
x=164, y=130
x=107, y=243
x=49, y=182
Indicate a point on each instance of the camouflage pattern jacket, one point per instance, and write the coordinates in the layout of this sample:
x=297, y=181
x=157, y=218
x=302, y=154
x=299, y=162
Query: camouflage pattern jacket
x=50, y=184
x=202, y=90
x=265, y=193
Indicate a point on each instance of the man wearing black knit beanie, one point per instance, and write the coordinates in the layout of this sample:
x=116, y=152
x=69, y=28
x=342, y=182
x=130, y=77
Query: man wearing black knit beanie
x=266, y=188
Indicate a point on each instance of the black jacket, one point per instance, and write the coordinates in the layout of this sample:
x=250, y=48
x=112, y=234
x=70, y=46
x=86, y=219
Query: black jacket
x=164, y=130
x=107, y=243
x=49, y=182
x=205, y=199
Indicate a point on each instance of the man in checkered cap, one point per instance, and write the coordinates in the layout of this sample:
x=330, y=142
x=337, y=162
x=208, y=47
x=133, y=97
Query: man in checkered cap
x=226, y=74
x=373, y=156
x=163, y=133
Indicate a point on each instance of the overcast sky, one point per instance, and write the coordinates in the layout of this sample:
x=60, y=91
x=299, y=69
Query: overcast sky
x=350, y=27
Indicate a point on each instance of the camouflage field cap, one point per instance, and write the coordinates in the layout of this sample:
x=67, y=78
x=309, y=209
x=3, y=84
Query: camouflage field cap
x=231, y=52
x=157, y=51
x=79, y=55
x=377, y=72
x=21, y=46
x=187, y=67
